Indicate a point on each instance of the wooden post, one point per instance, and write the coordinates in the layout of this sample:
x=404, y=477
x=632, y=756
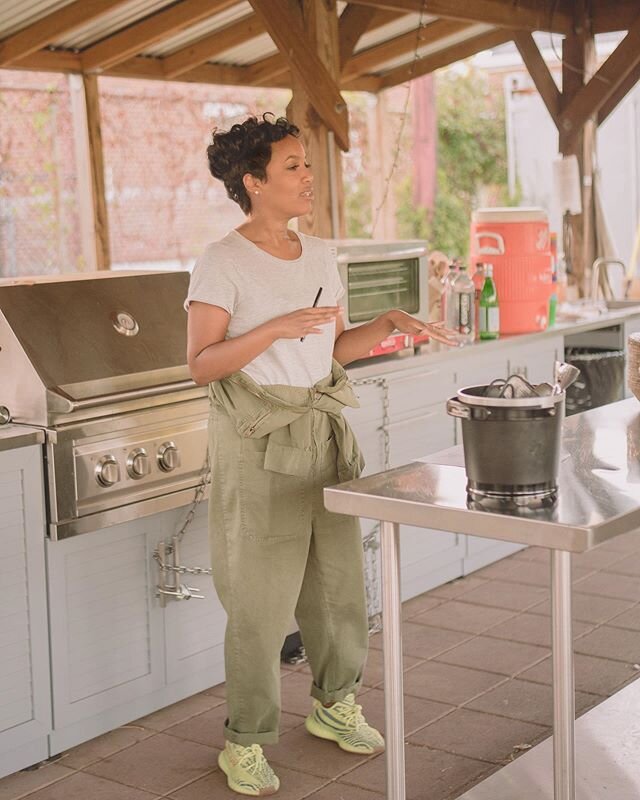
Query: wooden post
x=579, y=64
x=96, y=167
x=383, y=200
x=327, y=217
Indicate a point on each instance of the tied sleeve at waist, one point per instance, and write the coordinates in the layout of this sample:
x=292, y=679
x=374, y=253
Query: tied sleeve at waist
x=282, y=414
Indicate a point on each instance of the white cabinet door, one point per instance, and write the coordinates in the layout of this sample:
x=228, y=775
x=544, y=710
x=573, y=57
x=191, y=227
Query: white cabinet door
x=25, y=697
x=107, y=648
x=194, y=629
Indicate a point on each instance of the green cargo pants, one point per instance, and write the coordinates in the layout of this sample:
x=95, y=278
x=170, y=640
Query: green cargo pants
x=277, y=552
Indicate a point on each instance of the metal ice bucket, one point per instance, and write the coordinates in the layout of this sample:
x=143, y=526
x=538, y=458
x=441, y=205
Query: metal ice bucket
x=511, y=445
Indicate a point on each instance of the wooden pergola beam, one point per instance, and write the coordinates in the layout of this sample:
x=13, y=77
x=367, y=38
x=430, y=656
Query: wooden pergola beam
x=540, y=73
x=50, y=61
x=531, y=15
x=606, y=81
x=54, y=26
x=367, y=61
x=267, y=69
x=608, y=16
x=620, y=93
x=210, y=46
x=444, y=57
x=96, y=165
x=353, y=22
x=134, y=39
x=320, y=87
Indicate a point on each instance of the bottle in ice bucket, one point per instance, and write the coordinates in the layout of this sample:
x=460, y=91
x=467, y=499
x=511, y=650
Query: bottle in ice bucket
x=464, y=306
x=489, y=311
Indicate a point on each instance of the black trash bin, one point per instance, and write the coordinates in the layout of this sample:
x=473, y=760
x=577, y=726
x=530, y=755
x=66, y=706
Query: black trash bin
x=601, y=378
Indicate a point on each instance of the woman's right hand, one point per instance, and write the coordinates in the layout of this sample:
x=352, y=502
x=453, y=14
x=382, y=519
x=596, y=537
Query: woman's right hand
x=302, y=322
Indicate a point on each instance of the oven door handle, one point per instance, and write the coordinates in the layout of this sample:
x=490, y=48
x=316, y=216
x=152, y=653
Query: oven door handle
x=59, y=400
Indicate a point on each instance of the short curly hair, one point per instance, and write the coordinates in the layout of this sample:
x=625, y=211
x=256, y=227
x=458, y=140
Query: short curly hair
x=246, y=147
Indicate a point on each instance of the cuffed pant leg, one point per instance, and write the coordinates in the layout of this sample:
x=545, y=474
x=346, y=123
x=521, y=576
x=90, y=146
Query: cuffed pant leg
x=332, y=608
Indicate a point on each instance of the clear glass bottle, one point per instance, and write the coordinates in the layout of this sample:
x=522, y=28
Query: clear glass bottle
x=463, y=295
x=489, y=309
x=448, y=316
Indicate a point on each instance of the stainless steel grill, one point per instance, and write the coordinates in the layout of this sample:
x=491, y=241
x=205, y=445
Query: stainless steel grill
x=99, y=362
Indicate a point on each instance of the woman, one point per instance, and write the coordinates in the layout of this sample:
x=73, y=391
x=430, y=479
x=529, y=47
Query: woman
x=276, y=438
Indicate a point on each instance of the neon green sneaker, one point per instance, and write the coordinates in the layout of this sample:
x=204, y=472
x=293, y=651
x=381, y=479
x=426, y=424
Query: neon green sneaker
x=344, y=724
x=247, y=770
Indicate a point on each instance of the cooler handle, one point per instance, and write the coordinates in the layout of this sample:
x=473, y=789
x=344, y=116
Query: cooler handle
x=490, y=251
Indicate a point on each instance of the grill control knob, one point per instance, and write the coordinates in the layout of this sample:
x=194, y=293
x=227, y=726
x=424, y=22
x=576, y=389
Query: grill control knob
x=138, y=463
x=168, y=456
x=107, y=471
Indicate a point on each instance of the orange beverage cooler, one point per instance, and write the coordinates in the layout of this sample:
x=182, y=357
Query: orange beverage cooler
x=516, y=241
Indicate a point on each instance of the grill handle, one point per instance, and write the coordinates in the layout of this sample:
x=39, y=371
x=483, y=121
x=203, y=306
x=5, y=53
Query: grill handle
x=63, y=402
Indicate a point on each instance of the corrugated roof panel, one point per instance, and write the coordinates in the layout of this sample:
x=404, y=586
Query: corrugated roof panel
x=110, y=23
x=403, y=24
x=17, y=15
x=202, y=29
x=430, y=49
x=249, y=52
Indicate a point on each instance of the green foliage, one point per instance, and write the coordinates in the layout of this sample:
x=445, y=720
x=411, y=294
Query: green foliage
x=471, y=157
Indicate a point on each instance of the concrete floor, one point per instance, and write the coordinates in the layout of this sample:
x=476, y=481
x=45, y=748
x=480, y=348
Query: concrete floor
x=477, y=695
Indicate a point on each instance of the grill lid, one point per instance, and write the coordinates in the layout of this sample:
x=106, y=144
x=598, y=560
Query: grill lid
x=80, y=338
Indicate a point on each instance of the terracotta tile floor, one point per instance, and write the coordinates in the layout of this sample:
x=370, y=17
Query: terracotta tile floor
x=477, y=693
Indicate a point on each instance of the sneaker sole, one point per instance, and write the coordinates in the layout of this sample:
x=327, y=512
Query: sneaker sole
x=236, y=787
x=315, y=729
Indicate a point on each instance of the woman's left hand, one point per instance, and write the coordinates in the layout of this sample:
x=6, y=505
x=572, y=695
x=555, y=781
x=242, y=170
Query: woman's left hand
x=405, y=323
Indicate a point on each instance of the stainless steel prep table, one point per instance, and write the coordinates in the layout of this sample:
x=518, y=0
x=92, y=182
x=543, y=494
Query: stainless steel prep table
x=599, y=498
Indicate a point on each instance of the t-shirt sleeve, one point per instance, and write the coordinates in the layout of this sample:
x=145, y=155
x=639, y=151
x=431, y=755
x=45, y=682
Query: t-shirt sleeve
x=331, y=260
x=214, y=280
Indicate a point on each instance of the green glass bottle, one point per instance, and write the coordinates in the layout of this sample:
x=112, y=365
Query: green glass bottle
x=488, y=308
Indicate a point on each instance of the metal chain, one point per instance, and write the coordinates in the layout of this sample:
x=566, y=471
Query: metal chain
x=201, y=487
x=205, y=479
x=371, y=542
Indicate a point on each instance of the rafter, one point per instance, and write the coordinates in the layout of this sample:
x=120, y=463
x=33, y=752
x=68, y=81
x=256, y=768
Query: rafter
x=368, y=60
x=353, y=22
x=134, y=39
x=446, y=56
x=318, y=84
x=532, y=15
x=210, y=46
x=604, y=83
x=51, y=61
x=265, y=70
x=54, y=26
x=539, y=72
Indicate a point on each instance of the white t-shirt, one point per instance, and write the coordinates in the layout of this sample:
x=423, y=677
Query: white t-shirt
x=254, y=287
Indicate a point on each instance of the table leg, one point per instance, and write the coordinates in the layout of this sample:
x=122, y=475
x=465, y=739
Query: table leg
x=392, y=650
x=563, y=679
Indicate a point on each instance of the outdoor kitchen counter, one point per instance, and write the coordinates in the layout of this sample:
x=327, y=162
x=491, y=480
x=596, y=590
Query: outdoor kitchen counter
x=433, y=353
x=598, y=498
x=14, y=436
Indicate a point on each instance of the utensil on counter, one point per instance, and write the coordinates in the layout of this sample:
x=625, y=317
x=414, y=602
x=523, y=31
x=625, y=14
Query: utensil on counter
x=564, y=375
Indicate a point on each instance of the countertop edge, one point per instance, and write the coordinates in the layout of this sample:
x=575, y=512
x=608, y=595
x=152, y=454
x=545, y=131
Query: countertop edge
x=13, y=437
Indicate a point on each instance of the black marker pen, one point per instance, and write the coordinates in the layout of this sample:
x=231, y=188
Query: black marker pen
x=315, y=303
